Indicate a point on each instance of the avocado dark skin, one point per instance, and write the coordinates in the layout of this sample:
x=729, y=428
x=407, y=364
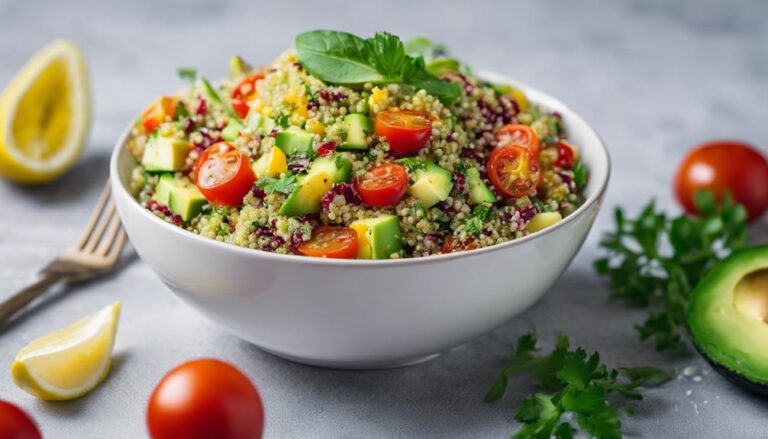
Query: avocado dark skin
x=728, y=318
x=734, y=378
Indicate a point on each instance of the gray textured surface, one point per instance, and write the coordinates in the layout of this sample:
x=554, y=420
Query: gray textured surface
x=653, y=77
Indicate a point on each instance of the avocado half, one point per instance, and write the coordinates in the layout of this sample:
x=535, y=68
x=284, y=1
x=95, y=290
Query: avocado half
x=728, y=318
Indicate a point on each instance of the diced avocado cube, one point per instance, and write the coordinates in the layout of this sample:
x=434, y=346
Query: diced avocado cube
x=322, y=175
x=271, y=164
x=232, y=130
x=432, y=184
x=186, y=201
x=543, y=220
x=478, y=190
x=238, y=67
x=378, y=238
x=356, y=129
x=256, y=123
x=164, y=153
x=163, y=188
x=295, y=141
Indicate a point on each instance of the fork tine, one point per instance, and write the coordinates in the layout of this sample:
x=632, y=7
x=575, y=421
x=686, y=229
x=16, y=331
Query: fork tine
x=117, y=247
x=95, y=215
x=101, y=226
x=110, y=234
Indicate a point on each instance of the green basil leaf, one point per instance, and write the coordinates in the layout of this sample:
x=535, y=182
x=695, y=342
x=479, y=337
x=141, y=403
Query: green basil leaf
x=337, y=57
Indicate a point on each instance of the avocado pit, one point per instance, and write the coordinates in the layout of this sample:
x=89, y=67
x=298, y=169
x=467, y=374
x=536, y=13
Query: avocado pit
x=750, y=295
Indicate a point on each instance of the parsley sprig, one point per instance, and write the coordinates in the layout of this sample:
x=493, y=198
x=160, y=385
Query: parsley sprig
x=654, y=261
x=284, y=185
x=572, y=385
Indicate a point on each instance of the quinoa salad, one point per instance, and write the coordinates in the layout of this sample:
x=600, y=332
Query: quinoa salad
x=349, y=147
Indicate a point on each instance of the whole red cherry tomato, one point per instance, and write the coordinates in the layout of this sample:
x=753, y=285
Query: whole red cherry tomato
x=16, y=424
x=205, y=399
x=724, y=166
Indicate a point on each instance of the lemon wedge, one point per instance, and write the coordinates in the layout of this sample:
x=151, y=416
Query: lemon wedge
x=45, y=115
x=70, y=362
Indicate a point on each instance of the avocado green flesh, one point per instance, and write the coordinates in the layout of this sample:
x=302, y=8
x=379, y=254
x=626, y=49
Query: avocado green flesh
x=295, y=141
x=378, y=238
x=323, y=174
x=357, y=127
x=432, y=185
x=728, y=315
x=164, y=154
x=478, y=191
x=182, y=198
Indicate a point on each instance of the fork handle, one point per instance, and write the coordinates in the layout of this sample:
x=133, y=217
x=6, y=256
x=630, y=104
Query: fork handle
x=23, y=297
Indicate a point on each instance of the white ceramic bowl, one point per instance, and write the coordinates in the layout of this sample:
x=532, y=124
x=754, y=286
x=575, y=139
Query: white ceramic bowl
x=364, y=314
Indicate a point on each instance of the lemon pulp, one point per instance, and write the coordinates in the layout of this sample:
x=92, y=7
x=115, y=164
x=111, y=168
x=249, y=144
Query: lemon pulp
x=70, y=362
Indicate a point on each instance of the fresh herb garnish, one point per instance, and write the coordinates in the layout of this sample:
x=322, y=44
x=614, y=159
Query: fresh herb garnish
x=181, y=111
x=342, y=58
x=655, y=261
x=283, y=185
x=282, y=120
x=187, y=74
x=412, y=164
x=476, y=221
x=573, y=383
x=579, y=175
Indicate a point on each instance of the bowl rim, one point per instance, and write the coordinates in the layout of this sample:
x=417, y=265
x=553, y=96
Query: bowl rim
x=595, y=197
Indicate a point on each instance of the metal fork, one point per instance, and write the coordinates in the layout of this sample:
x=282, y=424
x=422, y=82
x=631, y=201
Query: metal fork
x=95, y=253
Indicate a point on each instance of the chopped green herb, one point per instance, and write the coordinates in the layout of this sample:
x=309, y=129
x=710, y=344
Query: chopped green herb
x=412, y=164
x=187, y=74
x=476, y=221
x=655, y=261
x=181, y=111
x=579, y=175
x=283, y=185
x=573, y=384
x=282, y=120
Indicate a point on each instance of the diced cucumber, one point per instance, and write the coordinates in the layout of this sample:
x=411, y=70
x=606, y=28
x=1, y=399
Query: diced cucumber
x=232, y=130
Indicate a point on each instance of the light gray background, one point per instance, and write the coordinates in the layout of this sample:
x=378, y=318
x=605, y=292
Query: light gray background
x=654, y=78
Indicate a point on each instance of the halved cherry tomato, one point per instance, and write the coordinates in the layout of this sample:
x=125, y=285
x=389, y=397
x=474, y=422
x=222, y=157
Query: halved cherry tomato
x=406, y=131
x=382, y=186
x=244, y=93
x=513, y=171
x=16, y=424
x=331, y=242
x=521, y=135
x=725, y=166
x=204, y=399
x=452, y=244
x=160, y=110
x=565, y=158
x=223, y=174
